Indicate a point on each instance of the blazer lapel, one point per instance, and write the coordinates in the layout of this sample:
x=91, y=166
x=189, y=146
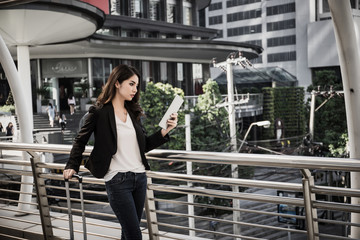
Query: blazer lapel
x=139, y=133
x=112, y=121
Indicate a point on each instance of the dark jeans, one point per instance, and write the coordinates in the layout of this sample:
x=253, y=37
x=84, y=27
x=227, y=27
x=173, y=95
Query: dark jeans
x=126, y=194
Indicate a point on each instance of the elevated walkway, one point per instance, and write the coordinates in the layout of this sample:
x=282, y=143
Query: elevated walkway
x=170, y=215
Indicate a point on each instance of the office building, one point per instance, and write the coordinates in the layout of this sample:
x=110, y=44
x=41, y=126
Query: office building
x=296, y=35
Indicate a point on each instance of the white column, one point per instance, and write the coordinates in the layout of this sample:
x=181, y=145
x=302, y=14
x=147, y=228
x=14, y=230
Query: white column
x=38, y=85
x=349, y=56
x=25, y=118
x=55, y=93
x=19, y=83
x=90, y=78
x=312, y=114
x=234, y=167
x=189, y=171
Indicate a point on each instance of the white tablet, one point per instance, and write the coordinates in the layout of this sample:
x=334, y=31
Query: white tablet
x=173, y=108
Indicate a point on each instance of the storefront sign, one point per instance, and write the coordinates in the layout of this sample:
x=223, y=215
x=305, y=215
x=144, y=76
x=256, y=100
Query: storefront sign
x=64, y=68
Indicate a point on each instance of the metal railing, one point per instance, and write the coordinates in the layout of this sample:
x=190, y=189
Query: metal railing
x=254, y=102
x=169, y=213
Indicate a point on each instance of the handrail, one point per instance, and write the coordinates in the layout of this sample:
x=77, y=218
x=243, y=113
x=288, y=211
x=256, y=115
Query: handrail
x=243, y=159
x=259, y=160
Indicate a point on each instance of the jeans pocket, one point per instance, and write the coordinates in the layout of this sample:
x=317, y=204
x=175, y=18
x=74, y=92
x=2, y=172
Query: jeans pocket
x=119, y=178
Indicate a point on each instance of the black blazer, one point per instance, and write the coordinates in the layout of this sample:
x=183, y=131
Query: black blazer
x=101, y=122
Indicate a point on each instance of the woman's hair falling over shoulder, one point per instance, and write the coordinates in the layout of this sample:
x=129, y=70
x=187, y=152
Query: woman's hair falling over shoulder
x=121, y=73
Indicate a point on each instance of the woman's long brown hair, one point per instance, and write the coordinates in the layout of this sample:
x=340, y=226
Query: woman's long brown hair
x=121, y=73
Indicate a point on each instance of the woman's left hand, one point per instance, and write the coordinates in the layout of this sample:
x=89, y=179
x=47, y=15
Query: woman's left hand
x=171, y=124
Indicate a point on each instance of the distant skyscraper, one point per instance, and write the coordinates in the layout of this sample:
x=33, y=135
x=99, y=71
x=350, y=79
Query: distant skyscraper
x=296, y=35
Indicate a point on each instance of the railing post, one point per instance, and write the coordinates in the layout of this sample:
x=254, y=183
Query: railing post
x=310, y=212
x=41, y=198
x=151, y=217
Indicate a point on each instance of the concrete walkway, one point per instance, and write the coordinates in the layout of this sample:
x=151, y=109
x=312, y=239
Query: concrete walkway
x=14, y=226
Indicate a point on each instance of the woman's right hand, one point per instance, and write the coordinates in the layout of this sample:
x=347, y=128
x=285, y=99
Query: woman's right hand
x=68, y=173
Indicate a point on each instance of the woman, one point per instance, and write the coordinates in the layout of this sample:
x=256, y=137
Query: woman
x=119, y=150
x=9, y=130
x=51, y=113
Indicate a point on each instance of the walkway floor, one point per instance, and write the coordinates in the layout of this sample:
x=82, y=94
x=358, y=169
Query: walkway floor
x=29, y=227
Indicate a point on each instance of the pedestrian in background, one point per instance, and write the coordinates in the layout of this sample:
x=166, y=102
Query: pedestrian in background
x=62, y=121
x=10, y=130
x=51, y=113
x=119, y=150
x=71, y=103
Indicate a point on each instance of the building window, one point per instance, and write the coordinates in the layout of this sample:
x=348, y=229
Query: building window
x=244, y=15
x=215, y=6
x=154, y=10
x=281, y=41
x=171, y=11
x=282, y=57
x=187, y=16
x=280, y=9
x=286, y=24
x=215, y=20
x=233, y=3
x=244, y=30
x=136, y=8
x=257, y=60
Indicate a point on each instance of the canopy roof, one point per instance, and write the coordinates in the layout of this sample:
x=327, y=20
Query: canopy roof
x=260, y=75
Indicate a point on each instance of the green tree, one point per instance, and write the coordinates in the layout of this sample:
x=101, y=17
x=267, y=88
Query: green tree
x=209, y=125
x=286, y=103
x=155, y=101
x=340, y=148
x=330, y=119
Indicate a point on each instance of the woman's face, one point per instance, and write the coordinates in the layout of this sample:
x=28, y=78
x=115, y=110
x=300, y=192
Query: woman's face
x=128, y=88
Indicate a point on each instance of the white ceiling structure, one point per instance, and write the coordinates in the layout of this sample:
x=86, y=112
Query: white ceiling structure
x=37, y=27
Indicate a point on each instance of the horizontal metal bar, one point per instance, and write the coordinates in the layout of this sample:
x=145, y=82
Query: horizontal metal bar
x=241, y=223
x=20, y=220
x=17, y=201
x=201, y=205
x=227, y=194
x=16, y=182
x=16, y=172
x=5, y=236
x=336, y=191
x=320, y=220
x=226, y=181
x=50, y=148
x=337, y=237
x=259, y=160
x=88, y=233
x=207, y=231
x=16, y=191
x=61, y=177
x=17, y=162
x=87, y=212
x=337, y=206
x=103, y=193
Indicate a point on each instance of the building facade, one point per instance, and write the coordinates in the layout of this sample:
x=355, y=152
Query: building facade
x=296, y=35
x=164, y=39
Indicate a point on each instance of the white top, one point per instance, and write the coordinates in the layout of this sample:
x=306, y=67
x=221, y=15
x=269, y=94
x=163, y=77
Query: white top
x=51, y=113
x=71, y=100
x=127, y=158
